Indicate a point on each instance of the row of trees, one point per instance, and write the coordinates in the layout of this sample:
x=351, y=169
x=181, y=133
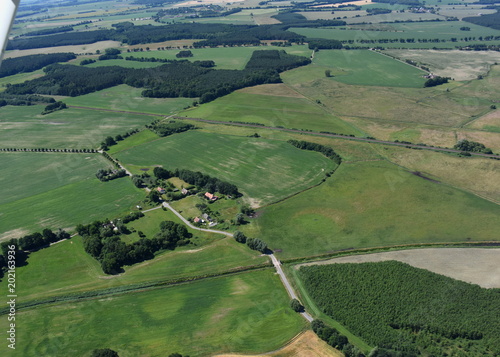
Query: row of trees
x=252, y=243
x=49, y=150
x=413, y=311
x=435, y=81
x=23, y=99
x=101, y=239
x=335, y=339
x=325, y=150
x=54, y=107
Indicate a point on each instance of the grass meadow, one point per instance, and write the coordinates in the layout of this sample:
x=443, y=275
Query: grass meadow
x=126, y=98
x=271, y=110
x=247, y=313
x=263, y=170
x=375, y=203
x=43, y=277
x=224, y=58
x=67, y=205
x=432, y=106
x=25, y=127
x=442, y=30
x=369, y=68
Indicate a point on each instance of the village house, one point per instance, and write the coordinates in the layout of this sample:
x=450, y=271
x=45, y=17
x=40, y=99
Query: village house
x=185, y=191
x=160, y=190
x=211, y=197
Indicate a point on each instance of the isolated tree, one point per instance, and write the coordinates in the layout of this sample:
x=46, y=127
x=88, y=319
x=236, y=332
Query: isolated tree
x=239, y=219
x=296, y=305
x=240, y=237
x=328, y=73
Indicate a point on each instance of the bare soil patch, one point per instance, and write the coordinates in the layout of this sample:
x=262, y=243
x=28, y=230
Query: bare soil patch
x=307, y=344
x=459, y=65
x=479, y=266
x=277, y=90
x=15, y=233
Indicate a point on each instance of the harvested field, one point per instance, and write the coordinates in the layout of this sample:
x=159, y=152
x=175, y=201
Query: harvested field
x=306, y=344
x=459, y=65
x=88, y=48
x=473, y=265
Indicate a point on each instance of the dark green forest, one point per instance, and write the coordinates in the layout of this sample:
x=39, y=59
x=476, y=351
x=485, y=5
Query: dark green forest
x=11, y=66
x=398, y=307
x=173, y=79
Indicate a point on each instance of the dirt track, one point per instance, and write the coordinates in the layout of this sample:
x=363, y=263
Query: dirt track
x=479, y=266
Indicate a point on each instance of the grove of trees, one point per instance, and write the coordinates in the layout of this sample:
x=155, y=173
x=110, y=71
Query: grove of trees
x=407, y=310
x=325, y=150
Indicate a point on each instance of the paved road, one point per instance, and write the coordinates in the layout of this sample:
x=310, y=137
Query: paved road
x=287, y=285
x=275, y=261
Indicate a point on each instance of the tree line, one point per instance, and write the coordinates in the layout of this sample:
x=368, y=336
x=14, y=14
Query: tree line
x=23, y=99
x=24, y=64
x=101, y=239
x=252, y=243
x=29, y=242
x=472, y=146
x=407, y=310
x=335, y=339
x=325, y=150
x=110, y=174
x=202, y=181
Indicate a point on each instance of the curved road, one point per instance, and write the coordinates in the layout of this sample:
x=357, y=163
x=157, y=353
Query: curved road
x=276, y=262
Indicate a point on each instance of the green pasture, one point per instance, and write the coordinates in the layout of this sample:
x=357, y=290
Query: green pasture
x=369, y=68
x=43, y=276
x=72, y=128
x=126, y=98
x=247, y=313
x=27, y=174
x=432, y=106
x=244, y=17
x=19, y=78
x=272, y=110
x=69, y=204
x=224, y=57
x=442, y=30
x=370, y=204
x=142, y=137
x=263, y=170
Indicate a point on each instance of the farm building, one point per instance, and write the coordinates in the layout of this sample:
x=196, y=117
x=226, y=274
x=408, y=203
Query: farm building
x=211, y=197
x=160, y=190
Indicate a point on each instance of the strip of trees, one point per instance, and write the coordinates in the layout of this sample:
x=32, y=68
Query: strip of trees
x=168, y=128
x=472, y=146
x=325, y=150
x=110, y=174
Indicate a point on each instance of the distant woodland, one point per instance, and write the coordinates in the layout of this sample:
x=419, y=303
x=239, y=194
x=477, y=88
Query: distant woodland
x=173, y=79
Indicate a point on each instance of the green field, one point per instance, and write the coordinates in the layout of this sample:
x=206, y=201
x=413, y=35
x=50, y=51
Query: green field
x=272, y=110
x=442, y=30
x=24, y=127
x=66, y=206
x=263, y=170
x=433, y=106
x=224, y=58
x=370, y=204
x=247, y=313
x=27, y=174
x=42, y=277
x=126, y=98
x=369, y=68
